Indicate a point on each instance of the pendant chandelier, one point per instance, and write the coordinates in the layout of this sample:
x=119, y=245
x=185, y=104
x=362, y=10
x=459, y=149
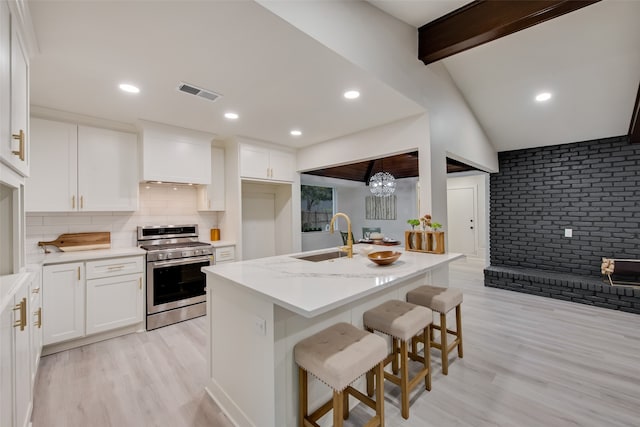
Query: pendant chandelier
x=382, y=184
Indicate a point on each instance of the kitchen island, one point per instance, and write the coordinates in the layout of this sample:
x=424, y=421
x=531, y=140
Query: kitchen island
x=259, y=309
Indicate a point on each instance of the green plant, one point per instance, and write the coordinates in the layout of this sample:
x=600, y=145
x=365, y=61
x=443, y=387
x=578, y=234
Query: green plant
x=413, y=223
x=435, y=226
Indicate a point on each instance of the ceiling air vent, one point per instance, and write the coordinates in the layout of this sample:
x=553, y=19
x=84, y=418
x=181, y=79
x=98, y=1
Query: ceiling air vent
x=194, y=90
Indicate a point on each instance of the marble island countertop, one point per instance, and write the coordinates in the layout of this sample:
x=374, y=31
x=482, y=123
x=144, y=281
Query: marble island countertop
x=312, y=288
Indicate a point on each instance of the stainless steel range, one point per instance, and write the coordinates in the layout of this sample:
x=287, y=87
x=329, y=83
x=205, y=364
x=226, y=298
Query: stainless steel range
x=175, y=284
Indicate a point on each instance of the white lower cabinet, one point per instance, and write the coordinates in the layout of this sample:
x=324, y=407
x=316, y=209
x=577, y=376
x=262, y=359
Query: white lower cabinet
x=63, y=290
x=224, y=254
x=35, y=308
x=17, y=370
x=113, y=302
x=86, y=298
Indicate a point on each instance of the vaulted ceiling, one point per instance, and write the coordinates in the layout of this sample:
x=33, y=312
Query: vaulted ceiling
x=278, y=78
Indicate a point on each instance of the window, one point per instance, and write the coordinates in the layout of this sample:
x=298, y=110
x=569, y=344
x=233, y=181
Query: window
x=317, y=207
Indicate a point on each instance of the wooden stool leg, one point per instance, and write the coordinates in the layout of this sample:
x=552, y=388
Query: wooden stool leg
x=380, y=393
x=404, y=379
x=444, y=348
x=302, y=395
x=337, y=408
x=345, y=405
x=394, y=351
x=427, y=356
x=459, y=330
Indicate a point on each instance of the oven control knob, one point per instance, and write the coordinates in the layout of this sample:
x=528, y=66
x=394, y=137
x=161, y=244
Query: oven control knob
x=185, y=253
x=198, y=252
x=162, y=256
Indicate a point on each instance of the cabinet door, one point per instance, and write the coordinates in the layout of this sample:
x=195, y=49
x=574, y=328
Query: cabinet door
x=254, y=162
x=107, y=170
x=7, y=397
x=5, y=85
x=114, y=302
x=212, y=197
x=36, y=323
x=282, y=165
x=19, y=103
x=225, y=254
x=22, y=367
x=63, y=304
x=53, y=183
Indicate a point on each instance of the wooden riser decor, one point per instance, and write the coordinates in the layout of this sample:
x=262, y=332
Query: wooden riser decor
x=431, y=242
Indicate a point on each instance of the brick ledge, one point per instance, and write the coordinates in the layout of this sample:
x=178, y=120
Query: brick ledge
x=568, y=287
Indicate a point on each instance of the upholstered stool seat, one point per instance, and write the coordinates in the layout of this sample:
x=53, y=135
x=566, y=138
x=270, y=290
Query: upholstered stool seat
x=441, y=300
x=402, y=321
x=338, y=356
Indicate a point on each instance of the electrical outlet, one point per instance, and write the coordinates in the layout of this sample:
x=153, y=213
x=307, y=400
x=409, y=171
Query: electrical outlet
x=260, y=326
x=568, y=232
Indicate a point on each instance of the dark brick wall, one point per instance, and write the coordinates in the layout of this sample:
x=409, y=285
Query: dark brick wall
x=591, y=187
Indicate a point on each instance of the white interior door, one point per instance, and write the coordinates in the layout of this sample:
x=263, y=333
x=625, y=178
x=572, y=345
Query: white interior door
x=258, y=225
x=462, y=221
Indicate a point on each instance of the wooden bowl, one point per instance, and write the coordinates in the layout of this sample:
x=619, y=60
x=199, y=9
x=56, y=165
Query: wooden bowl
x=384, y=257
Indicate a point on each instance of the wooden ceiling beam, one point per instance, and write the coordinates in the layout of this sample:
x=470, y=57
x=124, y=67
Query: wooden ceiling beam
x=634, y=127
x=482, y=21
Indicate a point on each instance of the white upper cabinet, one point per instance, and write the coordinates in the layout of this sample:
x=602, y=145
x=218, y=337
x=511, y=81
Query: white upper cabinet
x=81, y=168
x=266, y=163
x=107, y=170
x=53, y=184
x=211, y=197
x=14, y=95
x=171, y=154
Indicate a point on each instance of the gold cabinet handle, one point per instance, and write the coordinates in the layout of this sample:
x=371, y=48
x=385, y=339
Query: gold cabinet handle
x=36, y=290
x=73, y=202
x=209, y=203
x=115, y=267
x=38, y=314
x=81, y=202
x=140, y=283
x=22, y=307
x=20, y=136
x=78, y=273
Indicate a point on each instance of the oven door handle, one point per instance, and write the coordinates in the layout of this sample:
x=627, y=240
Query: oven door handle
x=181, y=261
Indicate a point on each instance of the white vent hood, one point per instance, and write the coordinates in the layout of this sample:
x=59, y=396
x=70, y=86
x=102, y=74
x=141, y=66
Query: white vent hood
x=173, y=154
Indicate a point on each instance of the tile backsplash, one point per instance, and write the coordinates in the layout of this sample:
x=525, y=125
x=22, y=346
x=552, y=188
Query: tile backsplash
x=159, y=204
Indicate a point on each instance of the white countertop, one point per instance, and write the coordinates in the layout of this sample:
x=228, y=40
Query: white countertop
x=312, y=288
x=62, y=257
x=219, y=243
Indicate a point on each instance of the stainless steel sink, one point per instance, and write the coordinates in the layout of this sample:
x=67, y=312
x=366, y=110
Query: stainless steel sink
x=323, y=256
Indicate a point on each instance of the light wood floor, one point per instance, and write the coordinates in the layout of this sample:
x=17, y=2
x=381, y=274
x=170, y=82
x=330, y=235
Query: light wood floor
x=529, y=361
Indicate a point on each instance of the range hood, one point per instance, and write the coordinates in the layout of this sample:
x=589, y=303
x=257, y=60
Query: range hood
x=175, y=155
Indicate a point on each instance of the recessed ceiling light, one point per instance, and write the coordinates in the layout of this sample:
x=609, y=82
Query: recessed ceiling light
x=129, y=88
x=231, y=116
x=296, y=132
x=544, y=96
x=351, y=94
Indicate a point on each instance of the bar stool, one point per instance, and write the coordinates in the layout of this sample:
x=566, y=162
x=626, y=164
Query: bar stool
x=402, y=321
x=441, y=300
x=337, y=356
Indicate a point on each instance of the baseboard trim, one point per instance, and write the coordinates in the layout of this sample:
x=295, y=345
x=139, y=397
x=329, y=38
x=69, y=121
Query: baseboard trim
x=68, y=345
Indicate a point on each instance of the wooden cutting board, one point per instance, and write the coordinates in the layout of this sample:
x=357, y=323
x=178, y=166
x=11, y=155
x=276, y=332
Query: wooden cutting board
x=80, y=241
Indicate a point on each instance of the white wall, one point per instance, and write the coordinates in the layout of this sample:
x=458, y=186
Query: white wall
x=480, y=181
x=159, y=205
x=387, y=48
x=394, y=138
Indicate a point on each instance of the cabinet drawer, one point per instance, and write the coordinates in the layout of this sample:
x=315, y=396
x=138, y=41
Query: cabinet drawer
x=114, y=267
x=227, y=253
